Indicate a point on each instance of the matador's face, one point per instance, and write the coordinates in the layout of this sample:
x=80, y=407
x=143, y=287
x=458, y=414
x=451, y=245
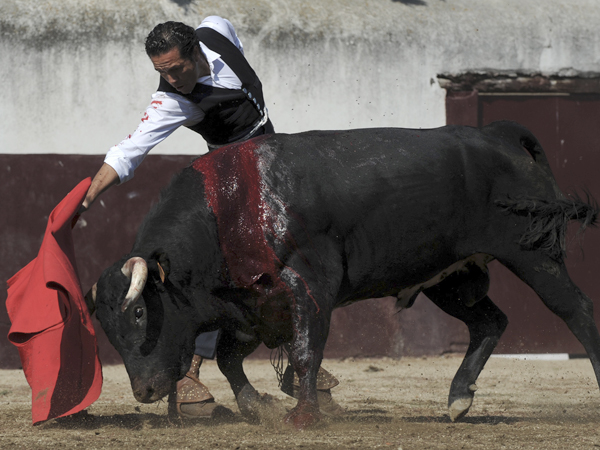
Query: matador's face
x=181, y=73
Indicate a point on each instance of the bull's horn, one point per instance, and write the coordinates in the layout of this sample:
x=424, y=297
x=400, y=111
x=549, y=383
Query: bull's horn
x=137, y=271
x=90, y=298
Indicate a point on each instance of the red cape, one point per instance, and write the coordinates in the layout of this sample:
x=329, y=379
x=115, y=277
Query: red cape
x=51, y=325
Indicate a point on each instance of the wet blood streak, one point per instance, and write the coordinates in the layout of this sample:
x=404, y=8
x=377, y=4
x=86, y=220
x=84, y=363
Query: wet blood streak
x=233, y=190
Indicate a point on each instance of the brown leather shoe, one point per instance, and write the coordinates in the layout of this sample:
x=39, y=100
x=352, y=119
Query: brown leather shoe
x=327, y=405
x=192, y=399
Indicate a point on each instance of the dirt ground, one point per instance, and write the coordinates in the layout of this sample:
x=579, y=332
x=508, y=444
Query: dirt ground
x=396, y=404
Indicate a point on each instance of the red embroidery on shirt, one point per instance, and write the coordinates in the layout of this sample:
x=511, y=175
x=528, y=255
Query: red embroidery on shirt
x=145, y=117
x=155, y=104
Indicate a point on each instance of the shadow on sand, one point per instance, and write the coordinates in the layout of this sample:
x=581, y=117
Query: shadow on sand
x=134, y=421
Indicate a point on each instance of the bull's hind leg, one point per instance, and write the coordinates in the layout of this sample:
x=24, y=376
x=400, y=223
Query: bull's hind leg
x=485, y=322
x=550, y=280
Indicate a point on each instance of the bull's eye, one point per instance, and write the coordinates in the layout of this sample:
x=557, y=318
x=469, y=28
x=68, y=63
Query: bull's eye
x=138, y=312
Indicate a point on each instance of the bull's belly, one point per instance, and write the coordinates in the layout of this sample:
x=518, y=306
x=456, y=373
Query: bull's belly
x=405, y=292
x=404, y=295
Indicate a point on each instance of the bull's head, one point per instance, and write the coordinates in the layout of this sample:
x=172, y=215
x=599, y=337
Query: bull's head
x=149, y=321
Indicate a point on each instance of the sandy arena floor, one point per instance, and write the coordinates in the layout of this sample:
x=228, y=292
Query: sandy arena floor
x=395, y=404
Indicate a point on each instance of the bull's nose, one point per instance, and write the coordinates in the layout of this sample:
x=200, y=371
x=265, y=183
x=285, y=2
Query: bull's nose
x=143, y=392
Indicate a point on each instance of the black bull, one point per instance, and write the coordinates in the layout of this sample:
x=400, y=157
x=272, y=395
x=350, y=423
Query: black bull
x=264, y=239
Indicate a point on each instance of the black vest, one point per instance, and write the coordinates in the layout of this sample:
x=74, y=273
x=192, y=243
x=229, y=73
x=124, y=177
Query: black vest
x=229, y=113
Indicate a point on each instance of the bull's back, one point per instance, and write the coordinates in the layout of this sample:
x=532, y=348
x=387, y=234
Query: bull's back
x=397, y=198
x=347, y=175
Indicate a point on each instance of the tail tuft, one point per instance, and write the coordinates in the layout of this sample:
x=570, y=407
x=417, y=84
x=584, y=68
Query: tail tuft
x=548, y=221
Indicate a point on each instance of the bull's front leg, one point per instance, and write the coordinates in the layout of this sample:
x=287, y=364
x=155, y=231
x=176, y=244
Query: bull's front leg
x=311, y=317
x=230, y=357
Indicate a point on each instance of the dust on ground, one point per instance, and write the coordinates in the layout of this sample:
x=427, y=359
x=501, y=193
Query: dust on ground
x=395, y=404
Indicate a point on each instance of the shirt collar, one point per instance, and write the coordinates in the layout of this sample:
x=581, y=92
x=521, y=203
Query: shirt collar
x=211, y=57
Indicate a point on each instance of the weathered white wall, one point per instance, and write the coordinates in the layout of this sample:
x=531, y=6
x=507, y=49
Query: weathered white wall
x=75, y=78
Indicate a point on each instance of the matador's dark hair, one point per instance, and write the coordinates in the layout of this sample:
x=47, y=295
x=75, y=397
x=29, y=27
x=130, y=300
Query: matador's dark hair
x=166, y=36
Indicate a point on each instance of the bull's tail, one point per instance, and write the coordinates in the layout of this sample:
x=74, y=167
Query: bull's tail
x=548, y=221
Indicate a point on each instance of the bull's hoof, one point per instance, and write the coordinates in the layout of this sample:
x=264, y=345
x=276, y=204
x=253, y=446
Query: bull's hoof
x=302, y=418
x=257, y=407
x=248, y=401
x=327, y=405
x=459, y=407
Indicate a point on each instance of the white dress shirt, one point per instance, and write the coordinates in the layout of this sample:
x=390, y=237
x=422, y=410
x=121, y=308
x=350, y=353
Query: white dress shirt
x=168, y=111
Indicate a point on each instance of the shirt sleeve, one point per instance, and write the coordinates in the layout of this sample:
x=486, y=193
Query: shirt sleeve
x=224, y=27
x=164, y=115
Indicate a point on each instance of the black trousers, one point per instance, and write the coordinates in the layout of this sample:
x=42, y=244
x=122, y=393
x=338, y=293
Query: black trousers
x=206, y=344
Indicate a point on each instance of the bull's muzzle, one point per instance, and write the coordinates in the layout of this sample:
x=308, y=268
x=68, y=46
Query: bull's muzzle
x=151, y=390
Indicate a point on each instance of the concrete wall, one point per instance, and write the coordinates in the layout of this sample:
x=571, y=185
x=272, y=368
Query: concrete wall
x=75, y=80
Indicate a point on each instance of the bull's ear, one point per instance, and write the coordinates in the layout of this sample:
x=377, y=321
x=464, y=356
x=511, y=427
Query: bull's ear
x=161, y=271
x=163, y=263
